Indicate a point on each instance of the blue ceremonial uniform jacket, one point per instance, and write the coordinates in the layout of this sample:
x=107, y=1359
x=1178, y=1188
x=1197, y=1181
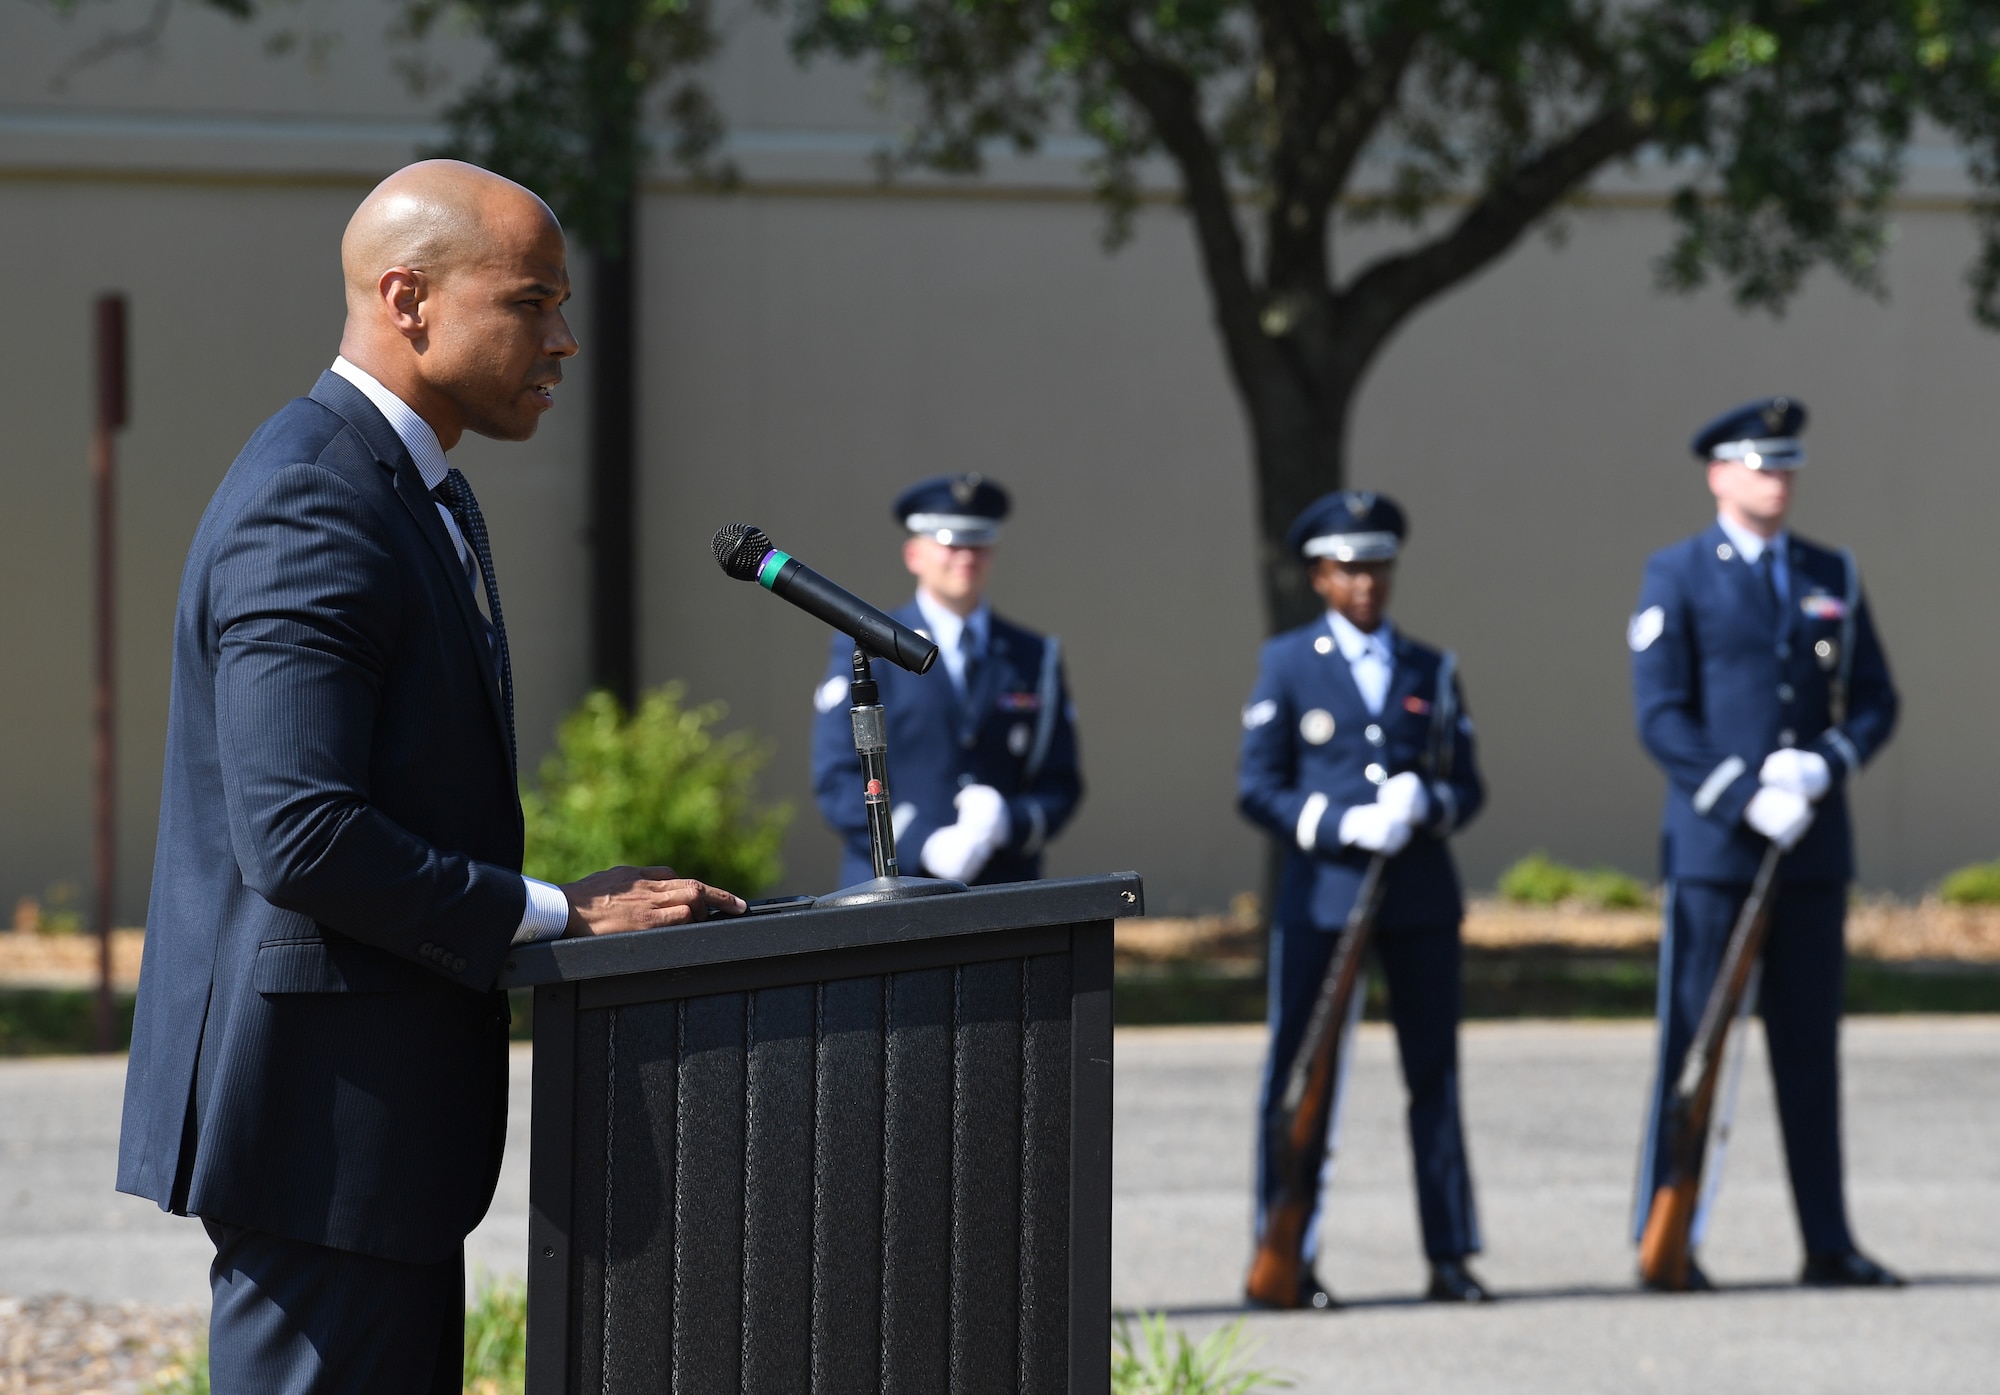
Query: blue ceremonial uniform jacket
x=1721, y=682
x=1017, y=734
x=319, y=1051
x=1308, y=741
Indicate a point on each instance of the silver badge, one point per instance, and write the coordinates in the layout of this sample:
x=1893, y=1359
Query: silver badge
x=1828, y=654
x=1724, y=551
x=1317, y=727
x=1377, y=774
x=1646, y=626
x=1323, y=645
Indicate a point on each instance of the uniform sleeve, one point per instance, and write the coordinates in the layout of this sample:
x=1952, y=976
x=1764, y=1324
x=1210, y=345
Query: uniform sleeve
x=1267, y=774
x=1039, y=812
x=1457, y=799
x=1872, y=704
x=1666, y=692
x=836, y=769
x=306, y=606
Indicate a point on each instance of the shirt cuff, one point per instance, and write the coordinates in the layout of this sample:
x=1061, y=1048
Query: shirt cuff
x=545, y=916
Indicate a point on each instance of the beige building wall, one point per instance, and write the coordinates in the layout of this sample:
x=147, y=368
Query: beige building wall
x=812, y=345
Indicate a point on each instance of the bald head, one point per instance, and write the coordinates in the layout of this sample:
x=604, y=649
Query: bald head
x=455, y=281
x=436, y=216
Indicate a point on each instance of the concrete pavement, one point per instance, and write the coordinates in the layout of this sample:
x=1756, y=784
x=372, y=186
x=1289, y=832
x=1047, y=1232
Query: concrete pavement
x=1553, y=1116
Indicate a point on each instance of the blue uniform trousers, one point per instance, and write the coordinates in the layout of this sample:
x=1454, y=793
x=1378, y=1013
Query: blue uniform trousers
x=1422, y=966
x=292, y=1318
x=1799, y=999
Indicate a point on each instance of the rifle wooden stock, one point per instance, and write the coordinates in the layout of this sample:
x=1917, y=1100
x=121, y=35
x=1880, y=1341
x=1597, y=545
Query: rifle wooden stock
x=1665, y=1245
x=1276, y=1268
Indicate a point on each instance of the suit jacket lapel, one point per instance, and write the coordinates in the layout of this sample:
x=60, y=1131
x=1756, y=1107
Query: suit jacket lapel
x=340, y=396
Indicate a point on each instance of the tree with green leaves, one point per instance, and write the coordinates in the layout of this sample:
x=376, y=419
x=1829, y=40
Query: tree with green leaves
x=1467, y=122
x=564, y=109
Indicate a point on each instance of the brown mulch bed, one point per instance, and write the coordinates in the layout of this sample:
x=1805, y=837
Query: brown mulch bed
x=1927, y=931
x=30, y=960
x=55, y=1345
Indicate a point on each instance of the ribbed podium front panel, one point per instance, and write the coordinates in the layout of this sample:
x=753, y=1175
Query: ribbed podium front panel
x=832, y=1188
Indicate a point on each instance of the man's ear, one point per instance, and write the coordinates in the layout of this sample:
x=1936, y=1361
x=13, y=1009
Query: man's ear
x=405, y=295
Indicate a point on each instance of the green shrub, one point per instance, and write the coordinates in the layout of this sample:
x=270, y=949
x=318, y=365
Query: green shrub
x=1977, y=885
x=1539, y=880
x=496, y=1338
x=660, y=788
x=1159, y=1362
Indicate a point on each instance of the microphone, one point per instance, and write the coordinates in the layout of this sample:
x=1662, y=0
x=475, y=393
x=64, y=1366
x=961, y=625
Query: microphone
x=746, y=554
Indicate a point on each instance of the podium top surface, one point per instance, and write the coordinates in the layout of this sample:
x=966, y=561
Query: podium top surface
x=1013, y=906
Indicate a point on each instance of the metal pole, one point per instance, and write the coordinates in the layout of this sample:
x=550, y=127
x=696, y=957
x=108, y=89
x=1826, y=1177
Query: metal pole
x=110, y=336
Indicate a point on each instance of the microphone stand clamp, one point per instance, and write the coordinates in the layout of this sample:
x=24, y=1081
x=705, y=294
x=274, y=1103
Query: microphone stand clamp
x=871, y=743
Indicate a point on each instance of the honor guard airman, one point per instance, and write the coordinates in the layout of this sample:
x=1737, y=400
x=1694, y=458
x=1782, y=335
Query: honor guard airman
x=1761, y=691
x=1342, y=739
x=982, y=750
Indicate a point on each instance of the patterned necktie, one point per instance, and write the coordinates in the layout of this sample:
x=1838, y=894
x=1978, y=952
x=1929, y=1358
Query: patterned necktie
x=456, y=495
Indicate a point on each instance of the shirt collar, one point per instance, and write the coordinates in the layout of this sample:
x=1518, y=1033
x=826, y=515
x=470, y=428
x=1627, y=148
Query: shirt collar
x=946, y=626
x=412, y=430
x=1355, y=645
x=1748, y=543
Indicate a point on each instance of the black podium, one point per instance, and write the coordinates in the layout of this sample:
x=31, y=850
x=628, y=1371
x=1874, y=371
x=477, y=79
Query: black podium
x=832, y=1151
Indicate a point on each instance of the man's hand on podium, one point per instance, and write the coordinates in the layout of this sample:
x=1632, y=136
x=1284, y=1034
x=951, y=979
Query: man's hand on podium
x=641, y=898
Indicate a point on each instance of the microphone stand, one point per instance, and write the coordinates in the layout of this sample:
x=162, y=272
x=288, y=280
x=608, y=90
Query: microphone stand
x=871, y=743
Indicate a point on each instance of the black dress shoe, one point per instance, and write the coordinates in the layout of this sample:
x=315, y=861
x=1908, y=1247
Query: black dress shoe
x=1851, y=1270
x=1696, y=1282
x=1314, y=1294
x=1452, y=1282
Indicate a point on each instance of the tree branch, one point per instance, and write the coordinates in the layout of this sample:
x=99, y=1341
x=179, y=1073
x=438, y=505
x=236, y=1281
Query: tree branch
x=1389, y=291
x=1172, y=102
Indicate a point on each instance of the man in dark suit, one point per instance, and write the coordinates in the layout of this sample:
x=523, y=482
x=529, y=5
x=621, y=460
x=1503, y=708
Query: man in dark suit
x=319, y=1067
x=1761, y=690
x=982, y=749
x=1356, y=744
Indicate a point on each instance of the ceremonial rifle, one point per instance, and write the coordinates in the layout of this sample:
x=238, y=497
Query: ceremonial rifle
x=1664, y=1246
x=1315, y=1070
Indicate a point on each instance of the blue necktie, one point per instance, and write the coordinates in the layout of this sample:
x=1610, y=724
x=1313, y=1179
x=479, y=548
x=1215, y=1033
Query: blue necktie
x=456, y=495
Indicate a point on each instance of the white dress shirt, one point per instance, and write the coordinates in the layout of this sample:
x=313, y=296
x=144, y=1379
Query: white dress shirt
x=1750, y=547
x=1370, y=658
x=955, y=636
x=546, y=914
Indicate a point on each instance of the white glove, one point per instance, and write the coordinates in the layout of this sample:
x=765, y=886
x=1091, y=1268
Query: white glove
x=1799, y=772
x=1405, y=797
x=960, y=851
x=1374, y=828
x=1779, y=815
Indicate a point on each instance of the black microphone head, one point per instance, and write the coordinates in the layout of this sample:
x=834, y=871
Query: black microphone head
x=741, y=549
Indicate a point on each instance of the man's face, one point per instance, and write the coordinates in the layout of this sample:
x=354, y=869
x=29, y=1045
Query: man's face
x=498, y=337
x=955, y=575
x=1758, y=498
x=1357, y=591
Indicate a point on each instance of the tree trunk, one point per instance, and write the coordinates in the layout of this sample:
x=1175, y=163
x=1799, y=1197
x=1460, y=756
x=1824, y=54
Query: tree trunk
x=614, y=646
x=1299, y=445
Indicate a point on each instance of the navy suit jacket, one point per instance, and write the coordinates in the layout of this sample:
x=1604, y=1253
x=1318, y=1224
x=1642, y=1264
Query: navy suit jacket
x=319, y=1050
x=938, y=745
x=1721, y=680
x=1308, y=736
